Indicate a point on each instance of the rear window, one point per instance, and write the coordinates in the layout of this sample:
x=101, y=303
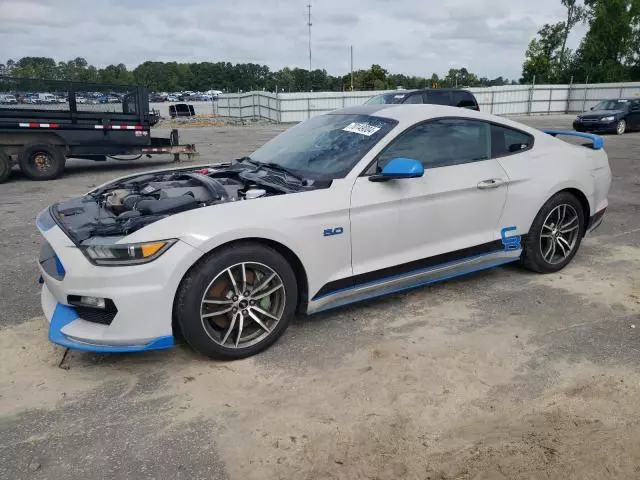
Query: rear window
x=463, y=100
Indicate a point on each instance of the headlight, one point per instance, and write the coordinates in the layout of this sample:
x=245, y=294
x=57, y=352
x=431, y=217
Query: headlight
x=126, y=254
x=608, y=119
x=578, y=118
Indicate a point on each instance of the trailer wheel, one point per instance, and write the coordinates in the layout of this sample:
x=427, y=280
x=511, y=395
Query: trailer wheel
x=5, y=166
x=41, y=162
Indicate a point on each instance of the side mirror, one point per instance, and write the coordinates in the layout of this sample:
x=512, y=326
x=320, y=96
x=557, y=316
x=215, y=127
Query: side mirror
x=592, y=108
x=398, y=168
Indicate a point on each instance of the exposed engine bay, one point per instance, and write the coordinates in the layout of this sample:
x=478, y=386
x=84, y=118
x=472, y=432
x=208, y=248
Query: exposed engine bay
x=125, y=206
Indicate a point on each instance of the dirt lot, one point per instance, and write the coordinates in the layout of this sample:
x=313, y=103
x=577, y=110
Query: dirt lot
x=500, y=375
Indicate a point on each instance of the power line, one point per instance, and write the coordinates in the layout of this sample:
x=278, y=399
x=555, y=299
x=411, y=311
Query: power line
x=309, y=25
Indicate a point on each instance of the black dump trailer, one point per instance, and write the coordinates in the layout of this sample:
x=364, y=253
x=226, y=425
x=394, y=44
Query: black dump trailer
x=44, y=122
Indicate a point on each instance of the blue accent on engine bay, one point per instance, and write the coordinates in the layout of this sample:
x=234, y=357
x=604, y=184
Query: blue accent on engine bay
x=63, y=315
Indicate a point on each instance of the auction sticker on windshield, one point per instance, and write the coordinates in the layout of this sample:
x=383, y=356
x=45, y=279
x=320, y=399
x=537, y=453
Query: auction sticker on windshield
x=361, y=128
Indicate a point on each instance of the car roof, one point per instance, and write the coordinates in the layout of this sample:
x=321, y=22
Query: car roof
x=418, y=112
x=418, y=90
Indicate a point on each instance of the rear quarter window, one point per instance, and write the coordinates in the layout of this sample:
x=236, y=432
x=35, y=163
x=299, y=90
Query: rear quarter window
x=508, y=141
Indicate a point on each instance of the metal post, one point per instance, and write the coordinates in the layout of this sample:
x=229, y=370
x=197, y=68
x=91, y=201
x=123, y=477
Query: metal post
x=621, y=90
x=533, y=86
x=568, y=107
x=493, y=94
x=584, y=100
x=259, y=105
x=309, y=25
x=351, y=67
x=279, y=106
x=550, y=96
x=253, y=105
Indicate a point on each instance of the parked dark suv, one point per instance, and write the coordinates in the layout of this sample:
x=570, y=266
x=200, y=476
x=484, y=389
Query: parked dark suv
x=438, y=96
x=616, y=116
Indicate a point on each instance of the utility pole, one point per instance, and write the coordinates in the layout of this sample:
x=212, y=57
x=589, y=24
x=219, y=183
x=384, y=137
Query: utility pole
x=309, y=25
x=351, y=48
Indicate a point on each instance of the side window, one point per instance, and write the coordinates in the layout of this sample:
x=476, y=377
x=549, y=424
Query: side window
x=635, y=105
x=441, y=143
x=506, y=141
x=417, y=98
x=437, y=97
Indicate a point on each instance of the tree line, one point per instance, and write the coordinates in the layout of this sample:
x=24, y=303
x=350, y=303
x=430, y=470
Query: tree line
x=609, y=51
x=240, y=77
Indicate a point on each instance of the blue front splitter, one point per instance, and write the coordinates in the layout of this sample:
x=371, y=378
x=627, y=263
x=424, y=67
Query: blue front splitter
x=63, y=315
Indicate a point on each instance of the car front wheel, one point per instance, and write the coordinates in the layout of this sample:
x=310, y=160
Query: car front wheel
x=621, y=127
x=237, y=302
x=555, y=235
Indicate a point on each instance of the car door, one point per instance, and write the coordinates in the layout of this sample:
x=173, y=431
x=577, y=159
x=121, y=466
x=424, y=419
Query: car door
x=633, y=117
x=451, y=212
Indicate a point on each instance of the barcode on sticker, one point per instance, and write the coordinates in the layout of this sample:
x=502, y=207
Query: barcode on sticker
x=361, y=128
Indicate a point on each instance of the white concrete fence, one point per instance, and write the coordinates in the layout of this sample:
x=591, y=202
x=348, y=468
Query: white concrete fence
x=505, y=100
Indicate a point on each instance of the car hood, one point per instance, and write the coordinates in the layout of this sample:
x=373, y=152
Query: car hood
x=600, y=113
x=119, y=208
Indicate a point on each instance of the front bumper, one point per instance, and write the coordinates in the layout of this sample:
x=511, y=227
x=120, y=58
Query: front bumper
x=595, y=126
x=143, y=295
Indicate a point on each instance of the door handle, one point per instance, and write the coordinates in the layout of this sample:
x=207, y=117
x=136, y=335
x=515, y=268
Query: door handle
x=490, y=183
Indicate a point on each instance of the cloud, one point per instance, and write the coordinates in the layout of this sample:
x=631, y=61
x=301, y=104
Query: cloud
x=415, y=37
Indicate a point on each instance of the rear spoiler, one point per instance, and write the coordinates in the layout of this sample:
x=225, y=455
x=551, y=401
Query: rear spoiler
x=597, y=142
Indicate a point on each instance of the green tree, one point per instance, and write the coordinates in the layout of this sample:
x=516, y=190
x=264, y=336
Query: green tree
x=575, y=14
x=609, y=49
x=543, y=55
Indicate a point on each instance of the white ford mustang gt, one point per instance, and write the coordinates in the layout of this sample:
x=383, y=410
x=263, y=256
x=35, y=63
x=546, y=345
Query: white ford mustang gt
x=344, y=207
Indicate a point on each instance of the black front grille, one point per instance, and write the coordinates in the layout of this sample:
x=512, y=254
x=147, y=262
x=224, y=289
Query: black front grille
x=95, y=315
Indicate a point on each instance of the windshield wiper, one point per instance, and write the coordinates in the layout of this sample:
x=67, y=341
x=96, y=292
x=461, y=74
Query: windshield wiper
x=275, y=166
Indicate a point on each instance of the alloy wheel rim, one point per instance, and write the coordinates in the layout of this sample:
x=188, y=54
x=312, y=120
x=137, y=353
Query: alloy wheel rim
x=559, y=234
x=621, y=126
x=242, y=305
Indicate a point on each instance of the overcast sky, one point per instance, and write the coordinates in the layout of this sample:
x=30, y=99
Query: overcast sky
x=417, y=37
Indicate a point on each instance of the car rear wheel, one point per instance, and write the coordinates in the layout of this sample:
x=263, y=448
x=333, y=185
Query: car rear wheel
x=41, y=161
x=621, y=127
x=555, y=235
x=237, y=301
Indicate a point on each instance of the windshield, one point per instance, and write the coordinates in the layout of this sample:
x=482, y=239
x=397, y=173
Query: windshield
x=611, y=105
x=387, y=98
x=325, y=147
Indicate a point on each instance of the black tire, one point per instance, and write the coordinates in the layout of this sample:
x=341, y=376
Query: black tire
x=533, y=255
x=621, y=127
x=41, y=161
x=5, y=166
x=198, y=283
